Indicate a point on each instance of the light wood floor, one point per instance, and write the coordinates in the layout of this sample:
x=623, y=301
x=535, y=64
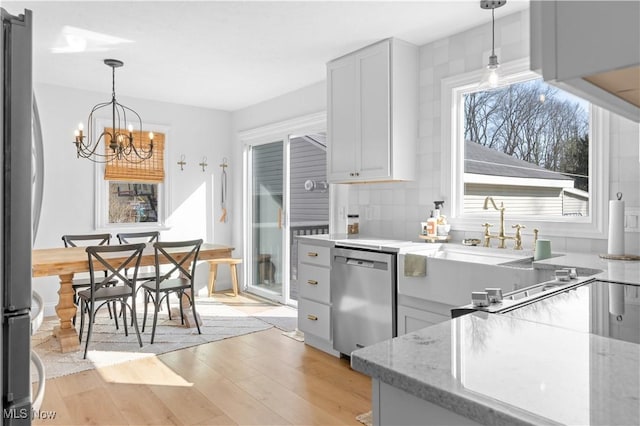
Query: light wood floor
x=262, y=378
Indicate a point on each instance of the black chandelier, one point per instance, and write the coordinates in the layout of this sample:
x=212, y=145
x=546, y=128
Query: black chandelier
x=120, y=140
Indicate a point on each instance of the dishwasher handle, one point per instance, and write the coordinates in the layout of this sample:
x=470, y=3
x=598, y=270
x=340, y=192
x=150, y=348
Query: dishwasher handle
x=354, y=261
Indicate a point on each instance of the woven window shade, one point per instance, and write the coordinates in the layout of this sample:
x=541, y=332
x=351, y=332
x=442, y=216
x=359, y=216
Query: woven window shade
x=150, y=170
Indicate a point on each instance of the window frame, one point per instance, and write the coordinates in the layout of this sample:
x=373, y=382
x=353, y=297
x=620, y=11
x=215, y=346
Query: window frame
x=101, y=209
x=452, y=154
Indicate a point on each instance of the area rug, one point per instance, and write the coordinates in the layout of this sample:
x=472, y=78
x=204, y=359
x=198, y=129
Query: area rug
x=282, y=317
x=109, y=346
x=365, y=418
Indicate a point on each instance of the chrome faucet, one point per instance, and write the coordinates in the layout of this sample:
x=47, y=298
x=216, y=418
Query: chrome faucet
x=502, y=237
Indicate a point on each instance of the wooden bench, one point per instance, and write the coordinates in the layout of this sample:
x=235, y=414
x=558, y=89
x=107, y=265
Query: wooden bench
x=232, y=262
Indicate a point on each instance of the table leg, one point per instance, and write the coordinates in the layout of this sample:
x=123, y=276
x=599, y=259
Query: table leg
x=66, y=310
x=188, y=314
x=213, y=271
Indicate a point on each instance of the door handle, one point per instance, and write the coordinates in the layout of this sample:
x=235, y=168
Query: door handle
x=312, y=317
x=312, y=282
x=280, y=218
x=312, y=254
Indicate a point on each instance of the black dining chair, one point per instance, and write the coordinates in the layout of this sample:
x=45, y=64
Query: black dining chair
x=84, y=240
x=147, y=238
x=165, y=283
x=140, y=237
x=114, y=260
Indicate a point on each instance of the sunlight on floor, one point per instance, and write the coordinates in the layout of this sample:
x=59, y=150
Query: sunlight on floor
x=151, y=371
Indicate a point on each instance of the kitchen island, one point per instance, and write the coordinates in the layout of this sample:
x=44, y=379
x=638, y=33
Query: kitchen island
x=503, y=369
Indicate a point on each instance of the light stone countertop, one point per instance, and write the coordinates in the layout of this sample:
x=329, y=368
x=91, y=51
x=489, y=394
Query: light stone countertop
x=497, y=369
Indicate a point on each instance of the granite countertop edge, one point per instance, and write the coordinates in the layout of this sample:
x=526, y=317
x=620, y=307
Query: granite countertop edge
x=475, y=410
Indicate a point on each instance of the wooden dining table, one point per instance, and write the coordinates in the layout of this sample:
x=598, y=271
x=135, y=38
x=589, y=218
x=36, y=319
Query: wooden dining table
x=65, y=262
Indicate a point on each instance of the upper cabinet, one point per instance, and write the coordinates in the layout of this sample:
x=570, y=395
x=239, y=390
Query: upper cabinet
x=591, y=49
x=372, y=117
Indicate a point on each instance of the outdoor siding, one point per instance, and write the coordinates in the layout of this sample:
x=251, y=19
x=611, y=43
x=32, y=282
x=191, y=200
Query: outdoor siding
x=575, y=205
x=516, y=199
x=308, y=161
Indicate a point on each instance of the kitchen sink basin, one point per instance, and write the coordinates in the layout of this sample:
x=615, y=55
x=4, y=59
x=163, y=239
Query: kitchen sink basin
x=482, y=255
x=454, y=271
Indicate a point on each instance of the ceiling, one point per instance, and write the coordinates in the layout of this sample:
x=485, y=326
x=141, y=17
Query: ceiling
x=224, y=55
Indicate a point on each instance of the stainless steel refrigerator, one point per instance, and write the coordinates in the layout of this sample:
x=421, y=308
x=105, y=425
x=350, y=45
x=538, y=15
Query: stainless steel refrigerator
x=16, y=218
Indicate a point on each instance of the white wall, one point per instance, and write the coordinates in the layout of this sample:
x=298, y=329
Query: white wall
x=194, y=196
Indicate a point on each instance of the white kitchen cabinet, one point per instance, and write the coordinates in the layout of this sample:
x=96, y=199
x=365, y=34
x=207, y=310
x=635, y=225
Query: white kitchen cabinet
x=591, y=49
x=314, y=302
x=372, y=104
x=413, y=319
x=393, y=406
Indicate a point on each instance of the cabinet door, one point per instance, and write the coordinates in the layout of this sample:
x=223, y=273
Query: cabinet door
x=341, y=119
x=313, y=282
x=373, y=68
x=314, y=318
x=411, y=319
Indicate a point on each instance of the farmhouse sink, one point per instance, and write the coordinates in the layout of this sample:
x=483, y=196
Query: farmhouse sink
x=484, y=255
x=454, y=271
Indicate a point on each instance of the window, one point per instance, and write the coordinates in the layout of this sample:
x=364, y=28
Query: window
x=132, y=194
x=535, y=148
x=528, y=144
x=131, y=202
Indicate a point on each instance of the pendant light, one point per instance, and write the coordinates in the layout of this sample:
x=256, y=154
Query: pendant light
x=119, y=140
x=491, y=76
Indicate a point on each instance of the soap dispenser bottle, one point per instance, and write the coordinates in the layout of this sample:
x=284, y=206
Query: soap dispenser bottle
x=432, y=225
x=438, y=205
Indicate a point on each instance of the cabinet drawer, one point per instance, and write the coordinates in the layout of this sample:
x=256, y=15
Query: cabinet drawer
x=313, y=282
x=314, y=255
x=314, y=318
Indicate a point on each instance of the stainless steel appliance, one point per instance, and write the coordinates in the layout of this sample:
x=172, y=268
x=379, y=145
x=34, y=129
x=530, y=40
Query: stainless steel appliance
x=16, y=228
x=363, y=297
x=587, y=305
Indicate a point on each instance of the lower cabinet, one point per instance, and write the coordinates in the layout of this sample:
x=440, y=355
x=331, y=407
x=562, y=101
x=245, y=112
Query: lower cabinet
x=414, y=314
x=314, y=302
x=412, y=319
x=393, y=406
x=314, y=318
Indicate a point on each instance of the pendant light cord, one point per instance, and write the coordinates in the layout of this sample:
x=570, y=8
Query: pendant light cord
x=493, y=31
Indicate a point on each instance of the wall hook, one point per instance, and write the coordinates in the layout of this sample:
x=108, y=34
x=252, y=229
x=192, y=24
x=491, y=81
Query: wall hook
x=182, y=162
x=224, y=164
x=203, y=164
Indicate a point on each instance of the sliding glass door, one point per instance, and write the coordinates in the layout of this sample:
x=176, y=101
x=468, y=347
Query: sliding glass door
x=285, y=195
x=267, y=233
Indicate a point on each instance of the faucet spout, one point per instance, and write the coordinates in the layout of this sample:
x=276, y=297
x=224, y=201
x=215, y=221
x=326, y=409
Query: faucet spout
x=501, y=234
x=493, y=203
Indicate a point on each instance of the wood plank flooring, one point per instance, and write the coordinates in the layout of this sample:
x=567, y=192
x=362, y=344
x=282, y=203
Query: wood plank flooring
x=262, y=378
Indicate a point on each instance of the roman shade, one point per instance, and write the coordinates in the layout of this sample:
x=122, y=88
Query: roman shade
x=149, y=171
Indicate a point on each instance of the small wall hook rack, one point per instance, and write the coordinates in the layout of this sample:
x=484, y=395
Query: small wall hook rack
x=203, y=164
x=182, y=163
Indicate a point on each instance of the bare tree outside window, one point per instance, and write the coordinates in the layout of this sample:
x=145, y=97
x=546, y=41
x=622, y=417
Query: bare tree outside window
x=538, y=124
x=133, y=202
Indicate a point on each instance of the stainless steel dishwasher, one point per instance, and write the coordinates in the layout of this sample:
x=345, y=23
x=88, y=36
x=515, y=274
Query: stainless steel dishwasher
x=363, y=298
